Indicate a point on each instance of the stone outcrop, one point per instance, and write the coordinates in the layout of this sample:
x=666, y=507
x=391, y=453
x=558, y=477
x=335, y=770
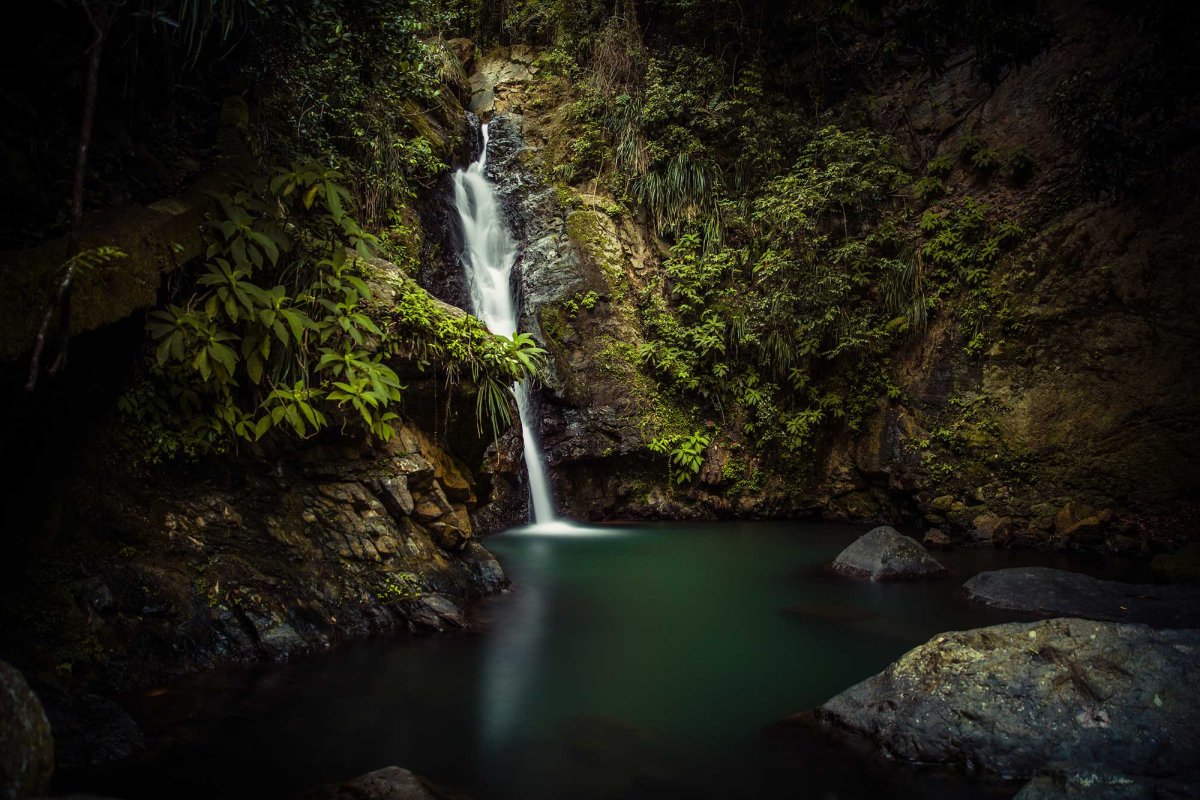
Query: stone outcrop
x=149, y=573
x=389, y=783
x=26, y=746
x=1056, y=592
x=1089, y=403
x=1012, y=700
x=883, y=554
x=1027, y=430
x=175, y=570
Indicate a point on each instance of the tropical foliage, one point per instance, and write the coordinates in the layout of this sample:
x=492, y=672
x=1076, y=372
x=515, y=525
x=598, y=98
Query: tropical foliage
x=799, y=257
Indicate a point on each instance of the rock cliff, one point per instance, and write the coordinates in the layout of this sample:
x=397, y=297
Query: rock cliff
x=1076, y=428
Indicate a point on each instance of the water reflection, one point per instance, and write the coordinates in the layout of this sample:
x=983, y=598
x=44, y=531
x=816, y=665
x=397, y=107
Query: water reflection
x=511, y=663
x=626, y=662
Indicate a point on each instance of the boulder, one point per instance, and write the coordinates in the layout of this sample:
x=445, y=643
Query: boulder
x=394, y=494
x=937, y=538
x=884, y=553
x=452, y=530
x=1076, y=522
x=1011, y=700
x=464, y=50
x=435, y=612
x=26, y=745
x=990, y=526
x=1056, y=592
x=432, y=505
x=389, y=783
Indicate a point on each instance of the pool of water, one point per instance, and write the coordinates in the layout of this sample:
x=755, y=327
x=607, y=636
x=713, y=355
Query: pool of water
x=646, y=661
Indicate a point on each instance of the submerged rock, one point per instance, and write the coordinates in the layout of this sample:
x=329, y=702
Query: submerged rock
x=1011, y=700
x=884, y=553
x=435, y=612
x=389, y=783
x=26, y=746
x=1043, y=590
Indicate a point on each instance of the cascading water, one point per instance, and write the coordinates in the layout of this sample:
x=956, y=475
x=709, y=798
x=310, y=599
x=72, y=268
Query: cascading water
x=488, y=257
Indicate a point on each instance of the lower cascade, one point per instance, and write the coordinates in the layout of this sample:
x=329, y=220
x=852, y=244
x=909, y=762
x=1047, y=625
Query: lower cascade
x=488, y=257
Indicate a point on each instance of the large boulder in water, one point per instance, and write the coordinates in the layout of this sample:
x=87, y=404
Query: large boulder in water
x=884, y=553
x=1011, y=700
x=1057, y=592
x=389, y=783
x=26, y=745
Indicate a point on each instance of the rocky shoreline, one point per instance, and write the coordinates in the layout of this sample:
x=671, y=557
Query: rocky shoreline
x=1090, y=702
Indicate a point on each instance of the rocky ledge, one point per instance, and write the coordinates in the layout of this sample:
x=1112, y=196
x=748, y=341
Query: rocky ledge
x=149, y=573
x=1056, y=592
x=1014, y=700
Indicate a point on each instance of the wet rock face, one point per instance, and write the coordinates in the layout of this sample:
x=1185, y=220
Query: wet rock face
x=884, y=554
x=441, y=272
x=26, y=746
x=1057, y=592
x=547, y=269
x=1010, y=700
x=1083, y=405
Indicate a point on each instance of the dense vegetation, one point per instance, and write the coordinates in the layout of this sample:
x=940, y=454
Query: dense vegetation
x=280, y=328
x=805, y=245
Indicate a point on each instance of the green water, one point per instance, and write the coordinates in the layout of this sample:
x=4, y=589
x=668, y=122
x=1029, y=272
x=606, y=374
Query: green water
x=645, y=661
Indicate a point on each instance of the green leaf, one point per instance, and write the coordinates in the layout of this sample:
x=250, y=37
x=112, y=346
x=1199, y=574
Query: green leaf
x=254, y=367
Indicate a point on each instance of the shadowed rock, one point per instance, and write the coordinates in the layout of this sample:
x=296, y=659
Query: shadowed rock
x=26, y=746
x=883, y=554
x=1057, y=592
x=1010, y=700
x=90, y=730
x=389, y=783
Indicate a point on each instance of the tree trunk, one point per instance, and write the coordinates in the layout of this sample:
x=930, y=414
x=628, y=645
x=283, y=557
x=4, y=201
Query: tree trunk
x=99, y=19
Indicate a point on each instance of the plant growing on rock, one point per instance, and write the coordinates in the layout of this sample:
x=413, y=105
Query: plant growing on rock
x=685, y=453
x=234, y=360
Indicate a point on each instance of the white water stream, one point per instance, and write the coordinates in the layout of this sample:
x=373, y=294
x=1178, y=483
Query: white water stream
x=488, y=257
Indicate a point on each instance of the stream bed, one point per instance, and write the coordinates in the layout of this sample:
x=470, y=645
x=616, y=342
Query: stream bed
x=631, y=661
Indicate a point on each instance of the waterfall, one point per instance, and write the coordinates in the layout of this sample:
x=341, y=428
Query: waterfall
x=488, y=257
